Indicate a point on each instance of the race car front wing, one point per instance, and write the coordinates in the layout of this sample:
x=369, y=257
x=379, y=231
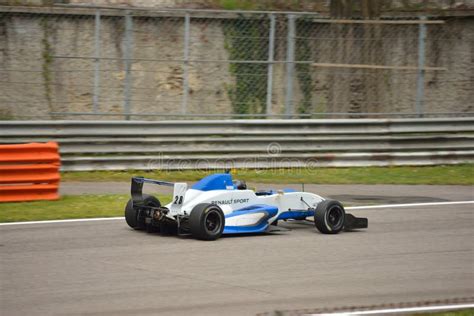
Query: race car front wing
x=351, y=222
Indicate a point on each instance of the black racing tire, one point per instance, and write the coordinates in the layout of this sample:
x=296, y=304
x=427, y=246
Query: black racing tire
x=329, y=217
x=206, y=221
x=132, y=214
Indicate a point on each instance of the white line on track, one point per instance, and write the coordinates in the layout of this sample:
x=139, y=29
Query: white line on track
x=347, y=208
x=399, y=310
x=408, y=205
x=58, y=221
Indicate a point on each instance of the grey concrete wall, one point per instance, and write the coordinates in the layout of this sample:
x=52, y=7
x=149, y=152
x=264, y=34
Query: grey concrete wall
x=36, y=79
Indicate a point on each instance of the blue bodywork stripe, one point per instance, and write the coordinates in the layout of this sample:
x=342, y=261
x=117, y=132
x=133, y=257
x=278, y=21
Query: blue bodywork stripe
x=268, y=211
x=257, y=208
x=263, y=225
x=271, y=191
x=246, y=229
x=218, y=181
x=295, y=214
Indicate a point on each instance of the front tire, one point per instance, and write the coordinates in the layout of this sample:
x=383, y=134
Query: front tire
x=132, y=214
x=329, y=217
x=206, y=221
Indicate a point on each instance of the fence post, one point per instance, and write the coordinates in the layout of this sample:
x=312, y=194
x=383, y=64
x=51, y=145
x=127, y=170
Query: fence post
x=420, y=83
x=95, y=99
x=187, y=22
x=128, y=63
x=290, y=65
x=271, y=48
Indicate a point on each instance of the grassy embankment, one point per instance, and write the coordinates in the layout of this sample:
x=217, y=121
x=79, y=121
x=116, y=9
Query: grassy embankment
x=87, y=206
x=454, y=175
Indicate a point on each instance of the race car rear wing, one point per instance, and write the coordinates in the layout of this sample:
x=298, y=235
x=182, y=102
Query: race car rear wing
x=179, y=189
x=137, y=188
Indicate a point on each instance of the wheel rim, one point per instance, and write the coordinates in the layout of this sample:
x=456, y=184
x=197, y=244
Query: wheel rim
x=335, y=217
x=212, y=222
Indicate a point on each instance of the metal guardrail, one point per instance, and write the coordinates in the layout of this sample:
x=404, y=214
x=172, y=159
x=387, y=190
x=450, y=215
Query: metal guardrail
x=118, y=145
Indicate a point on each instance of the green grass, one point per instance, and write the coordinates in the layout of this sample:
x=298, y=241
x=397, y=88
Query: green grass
x=285, y=5
x=452, y=174
x=236, y=4
x=69, y=206
x=88, y=206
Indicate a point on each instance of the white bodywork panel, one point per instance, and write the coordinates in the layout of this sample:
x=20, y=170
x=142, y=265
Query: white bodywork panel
x=179, y=193
x=246, y=219
x=231, y=200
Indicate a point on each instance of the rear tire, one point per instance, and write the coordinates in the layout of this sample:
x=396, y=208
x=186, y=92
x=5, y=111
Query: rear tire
x=132, y=214
x=329, y=217
x=206, y=221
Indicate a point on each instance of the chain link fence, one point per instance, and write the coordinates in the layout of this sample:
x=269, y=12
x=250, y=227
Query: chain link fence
x=156, y=64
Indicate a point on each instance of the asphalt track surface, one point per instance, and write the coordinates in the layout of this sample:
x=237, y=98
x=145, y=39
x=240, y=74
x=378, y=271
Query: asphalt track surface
x=105, y=268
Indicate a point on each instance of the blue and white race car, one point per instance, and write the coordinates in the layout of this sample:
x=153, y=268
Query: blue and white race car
x=218, y=205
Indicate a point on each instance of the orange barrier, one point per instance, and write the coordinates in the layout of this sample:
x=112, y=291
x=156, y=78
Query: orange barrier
x=29, y=172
